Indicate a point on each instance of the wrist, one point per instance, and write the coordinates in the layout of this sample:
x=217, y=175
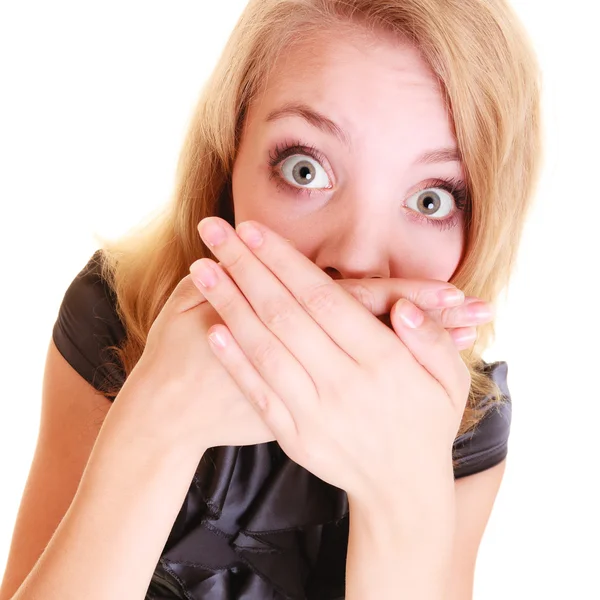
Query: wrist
x=147, y=414
x=390, y=518
x=398, y=549
x=426, y=498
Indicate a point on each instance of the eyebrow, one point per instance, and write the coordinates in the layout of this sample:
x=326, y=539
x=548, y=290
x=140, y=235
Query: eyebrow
x=440, y=155
x=326, y=125
x=316, y=119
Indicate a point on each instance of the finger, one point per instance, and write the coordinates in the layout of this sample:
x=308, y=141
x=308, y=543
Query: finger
x=463, y=337
x=379, y=295
x=266, y=402
x=274, y=304
x=272, y=360
x=336, y=312
x=468, y=315
x=434, y=349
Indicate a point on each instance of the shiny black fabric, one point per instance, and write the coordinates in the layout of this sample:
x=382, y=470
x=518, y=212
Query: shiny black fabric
x=254, y=524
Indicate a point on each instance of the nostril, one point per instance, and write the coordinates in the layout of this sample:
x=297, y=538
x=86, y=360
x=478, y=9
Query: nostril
x=333, y=273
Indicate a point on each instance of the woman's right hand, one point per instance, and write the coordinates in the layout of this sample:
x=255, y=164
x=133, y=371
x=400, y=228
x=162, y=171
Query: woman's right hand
x=182, y=389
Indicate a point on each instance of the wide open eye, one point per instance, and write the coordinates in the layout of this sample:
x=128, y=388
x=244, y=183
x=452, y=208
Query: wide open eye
x=433, y=203
x=304, y=172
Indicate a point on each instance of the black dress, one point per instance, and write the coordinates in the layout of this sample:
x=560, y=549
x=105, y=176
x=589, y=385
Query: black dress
x=254, y=524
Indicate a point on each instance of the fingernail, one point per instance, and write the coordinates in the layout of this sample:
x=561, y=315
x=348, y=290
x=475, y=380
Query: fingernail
x=204, y=273
x=212, y=232
x=410, y=314
x=465, y=338
x=451, y=297
x=218, y=339
x=480, y=311
x=250, y=234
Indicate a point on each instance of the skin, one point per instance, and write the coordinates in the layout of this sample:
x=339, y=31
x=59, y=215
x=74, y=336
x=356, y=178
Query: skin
x=289, y=336
x=344, y=406
x=383, y=94
x=312, y=390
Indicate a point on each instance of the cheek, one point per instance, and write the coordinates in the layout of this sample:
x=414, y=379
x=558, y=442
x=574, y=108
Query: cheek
x=256, y=205
x=419, y=251
x=250, y=204
x=246, y=192
x=428, y=254
x=254, y=198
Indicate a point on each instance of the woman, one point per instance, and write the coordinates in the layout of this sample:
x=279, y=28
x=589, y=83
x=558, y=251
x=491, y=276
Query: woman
x=308, y=415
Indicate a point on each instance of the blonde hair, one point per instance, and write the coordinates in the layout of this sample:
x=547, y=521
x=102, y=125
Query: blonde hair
x=491, y=81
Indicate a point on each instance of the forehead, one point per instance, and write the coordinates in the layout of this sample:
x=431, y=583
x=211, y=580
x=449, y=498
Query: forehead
x=370, y=86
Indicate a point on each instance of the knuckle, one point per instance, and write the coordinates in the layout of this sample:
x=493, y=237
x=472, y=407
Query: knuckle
x=234, y=263
x=264, y=354
x=259, y=397
x=320, y=299
x=434, y=333
x=421, y=297
x=364, y=295
x=225, y=303
x=449, y=317
x=275, y=312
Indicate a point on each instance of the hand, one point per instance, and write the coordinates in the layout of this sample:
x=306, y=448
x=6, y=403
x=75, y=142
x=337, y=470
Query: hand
x=347, y=398
x=184, y=391
x=201, y=401
x=443, y=302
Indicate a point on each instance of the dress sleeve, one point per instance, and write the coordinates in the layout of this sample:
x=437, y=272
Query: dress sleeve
x=487, y=444
x=87, y=324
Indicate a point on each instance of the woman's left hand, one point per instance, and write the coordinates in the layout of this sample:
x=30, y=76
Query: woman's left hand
x=364, y=408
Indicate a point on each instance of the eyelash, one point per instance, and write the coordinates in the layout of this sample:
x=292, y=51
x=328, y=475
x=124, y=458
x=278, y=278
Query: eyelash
x=455, y=187
x=291, y=149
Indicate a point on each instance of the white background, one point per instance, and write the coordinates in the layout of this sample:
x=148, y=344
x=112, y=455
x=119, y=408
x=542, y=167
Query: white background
x=95, y=102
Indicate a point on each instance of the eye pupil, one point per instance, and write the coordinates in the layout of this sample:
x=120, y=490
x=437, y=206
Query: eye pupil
x=303, y=172
x=429, y=202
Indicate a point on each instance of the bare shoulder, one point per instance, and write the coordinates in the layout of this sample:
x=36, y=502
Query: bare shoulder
x=72, y=414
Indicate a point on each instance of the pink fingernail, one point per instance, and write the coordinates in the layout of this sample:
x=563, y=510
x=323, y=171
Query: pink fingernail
x=451, y=297
x=481, y=311
x=204, y=273
x=250, y=234
x=218, y=339
x=410, y=314
x=212, y=232
x=465, y=338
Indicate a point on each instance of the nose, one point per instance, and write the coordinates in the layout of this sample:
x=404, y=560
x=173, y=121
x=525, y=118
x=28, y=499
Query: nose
x=355, y=247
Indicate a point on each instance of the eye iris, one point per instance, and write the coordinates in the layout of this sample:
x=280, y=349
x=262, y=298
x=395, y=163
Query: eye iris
x=429, y=202
x=303, y=172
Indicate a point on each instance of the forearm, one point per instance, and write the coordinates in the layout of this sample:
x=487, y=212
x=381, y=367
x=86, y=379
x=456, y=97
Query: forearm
x=110, y=539
x=392, y=554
